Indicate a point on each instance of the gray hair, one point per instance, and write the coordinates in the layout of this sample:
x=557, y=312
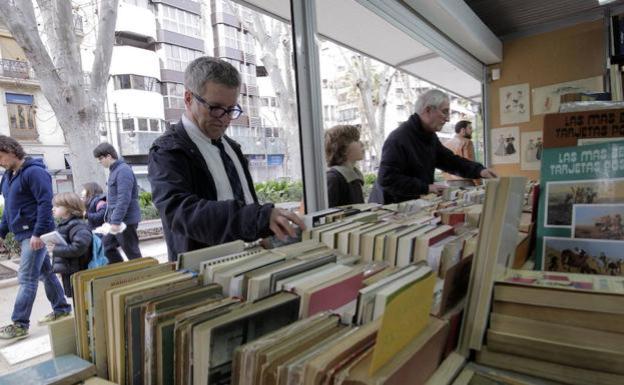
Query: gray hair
x=209, y=69
x=431, y=98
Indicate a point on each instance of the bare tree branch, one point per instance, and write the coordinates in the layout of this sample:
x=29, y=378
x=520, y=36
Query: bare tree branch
x=104, y=48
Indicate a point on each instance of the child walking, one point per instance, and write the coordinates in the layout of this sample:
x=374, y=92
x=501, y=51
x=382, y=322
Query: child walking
x=69, y=209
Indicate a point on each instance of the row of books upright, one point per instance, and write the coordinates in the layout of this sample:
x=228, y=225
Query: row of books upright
x=141, y=322
x=372, y=295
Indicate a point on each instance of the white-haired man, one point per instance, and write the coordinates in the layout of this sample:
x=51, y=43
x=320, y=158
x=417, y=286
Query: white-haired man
x=413, y=151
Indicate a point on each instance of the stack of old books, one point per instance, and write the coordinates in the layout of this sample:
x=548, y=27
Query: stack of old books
x=563, y=327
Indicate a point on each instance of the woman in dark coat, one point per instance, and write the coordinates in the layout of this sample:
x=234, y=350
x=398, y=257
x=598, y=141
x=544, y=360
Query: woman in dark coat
x=342, y=150
x=76, y=254
x=95, y=200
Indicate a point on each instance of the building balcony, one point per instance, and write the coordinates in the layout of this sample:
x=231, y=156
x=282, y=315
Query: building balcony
x=136, y=21
x=136, y=142
x=225, y=18
x=229, y=53
x=133, y=60
x=249, y=89
x=16, y=69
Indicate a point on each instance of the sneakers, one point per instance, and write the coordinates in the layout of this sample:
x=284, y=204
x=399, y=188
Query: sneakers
x=52, y=317
x=13, y=331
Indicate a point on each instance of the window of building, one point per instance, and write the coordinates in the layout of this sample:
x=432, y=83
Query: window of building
x=138, y=3
x=154, y=125
x=142, y=124
x=346, y=115
x=22, y=116
x=177, y=58
x=127, y=124
x=136, y=82
x=173, y=95
x=177, y=20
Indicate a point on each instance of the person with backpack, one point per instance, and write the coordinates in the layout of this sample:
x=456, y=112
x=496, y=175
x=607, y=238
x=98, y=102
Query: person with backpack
x=95, y=201
x=27, y=190
x=67, y=259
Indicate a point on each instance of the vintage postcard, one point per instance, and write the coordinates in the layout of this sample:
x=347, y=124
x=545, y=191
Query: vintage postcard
x=531, y=149
x=561, y=196
x=514, y=104
x=584, y=256
x=505, y=147
x=546, y=99
x=598, y=221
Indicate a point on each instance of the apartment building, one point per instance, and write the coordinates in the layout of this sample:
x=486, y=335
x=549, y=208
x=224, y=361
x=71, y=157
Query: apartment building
x=27, y=116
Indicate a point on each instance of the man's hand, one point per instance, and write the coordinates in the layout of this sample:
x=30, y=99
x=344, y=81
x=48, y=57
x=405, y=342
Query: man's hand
x=487, y=173
x=280, y=223
x=114, y=229
x=36, y=243
x=437, y=188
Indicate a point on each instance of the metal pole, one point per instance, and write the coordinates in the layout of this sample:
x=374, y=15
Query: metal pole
x=308, y=78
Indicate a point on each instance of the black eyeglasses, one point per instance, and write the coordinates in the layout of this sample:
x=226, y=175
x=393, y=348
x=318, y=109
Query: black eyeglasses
x=218, y=111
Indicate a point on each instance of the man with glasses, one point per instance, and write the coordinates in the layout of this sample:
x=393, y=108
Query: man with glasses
x=200, y=178
x=122, y=205
x=413, y=151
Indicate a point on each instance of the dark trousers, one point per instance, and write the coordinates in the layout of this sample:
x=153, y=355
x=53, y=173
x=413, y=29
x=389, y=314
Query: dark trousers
x=128, y=240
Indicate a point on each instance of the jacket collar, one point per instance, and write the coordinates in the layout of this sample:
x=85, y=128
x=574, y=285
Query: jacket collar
x=415, y=123
x=116, y=164
x=349, y=173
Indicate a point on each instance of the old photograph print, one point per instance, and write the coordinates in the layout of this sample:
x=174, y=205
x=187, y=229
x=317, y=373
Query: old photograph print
x=584, y=256
x=562, y=196
x=598, y=221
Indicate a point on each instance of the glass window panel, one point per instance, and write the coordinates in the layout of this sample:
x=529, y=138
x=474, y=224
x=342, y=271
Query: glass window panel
x=154, y=125
x=142, y=124
x=127, y=124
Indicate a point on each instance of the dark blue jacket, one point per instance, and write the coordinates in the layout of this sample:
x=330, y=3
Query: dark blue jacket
x=76, y=255
x=95, y=217
x=27, y=201
x=123, y=195
x=408, y=160
x=184, y=192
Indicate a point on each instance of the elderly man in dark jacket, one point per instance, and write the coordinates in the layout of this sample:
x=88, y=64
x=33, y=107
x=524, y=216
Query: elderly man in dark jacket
x=27, y=190
x=122, y=205
x=413, y=151
x=200, y=179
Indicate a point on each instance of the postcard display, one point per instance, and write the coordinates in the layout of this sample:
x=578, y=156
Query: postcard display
x=582, y=177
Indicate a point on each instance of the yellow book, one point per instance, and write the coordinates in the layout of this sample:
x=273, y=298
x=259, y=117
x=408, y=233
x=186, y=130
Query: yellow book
x=406, y=315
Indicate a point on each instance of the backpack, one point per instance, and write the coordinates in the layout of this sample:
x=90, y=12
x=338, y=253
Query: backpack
x=98, y=258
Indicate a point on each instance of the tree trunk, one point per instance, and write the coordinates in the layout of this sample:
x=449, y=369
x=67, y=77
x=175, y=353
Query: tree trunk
x=57, y=65
x=274, y=41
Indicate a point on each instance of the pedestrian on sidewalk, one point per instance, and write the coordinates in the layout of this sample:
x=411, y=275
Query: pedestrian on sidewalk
x=75, y=255
x=123, y=205
x=27, y=190
x=95, y=201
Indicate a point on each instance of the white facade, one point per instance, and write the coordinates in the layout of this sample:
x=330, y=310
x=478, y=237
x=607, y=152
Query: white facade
x=136, y=20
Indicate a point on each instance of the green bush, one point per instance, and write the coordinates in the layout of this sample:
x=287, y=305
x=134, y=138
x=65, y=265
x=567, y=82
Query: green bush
x=284, y=190
x=12, y=246
x=145, y=198
x=148, y=210
x=278, y=191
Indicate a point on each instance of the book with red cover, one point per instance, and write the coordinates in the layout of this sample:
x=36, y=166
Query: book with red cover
x=333, y=294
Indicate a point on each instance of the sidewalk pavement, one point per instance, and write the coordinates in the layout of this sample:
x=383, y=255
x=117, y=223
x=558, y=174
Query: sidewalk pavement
x=152, y=248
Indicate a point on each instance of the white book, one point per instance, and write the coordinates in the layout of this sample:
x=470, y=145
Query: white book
x=53, y=237
x=406, y=245
x=316, y=278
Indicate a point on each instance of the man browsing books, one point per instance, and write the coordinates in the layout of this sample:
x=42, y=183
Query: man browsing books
x=200, y=178
x=413, y=151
